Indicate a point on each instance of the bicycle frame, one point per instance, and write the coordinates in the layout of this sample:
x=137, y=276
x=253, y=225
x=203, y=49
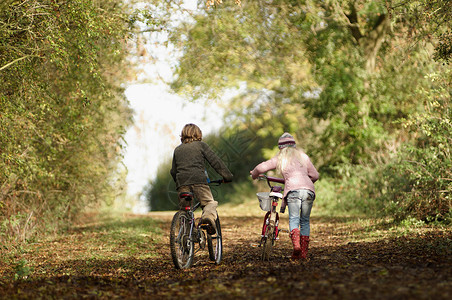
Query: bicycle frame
x=191, y=212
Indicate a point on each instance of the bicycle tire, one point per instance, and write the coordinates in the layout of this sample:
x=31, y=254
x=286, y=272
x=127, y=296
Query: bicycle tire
x=215, y=244
x=268, y=242
x=181, y=245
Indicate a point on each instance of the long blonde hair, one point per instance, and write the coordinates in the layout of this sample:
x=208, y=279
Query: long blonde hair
x=190, y=133
x=287, y=155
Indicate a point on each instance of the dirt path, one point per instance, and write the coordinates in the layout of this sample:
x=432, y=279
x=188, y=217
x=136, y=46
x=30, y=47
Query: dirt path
x=348, y=260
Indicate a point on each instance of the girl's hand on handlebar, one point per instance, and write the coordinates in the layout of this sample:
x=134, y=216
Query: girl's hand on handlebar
x=252, y=175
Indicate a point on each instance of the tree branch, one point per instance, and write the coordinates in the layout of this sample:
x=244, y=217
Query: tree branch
x=351, y=20
x=14, y=61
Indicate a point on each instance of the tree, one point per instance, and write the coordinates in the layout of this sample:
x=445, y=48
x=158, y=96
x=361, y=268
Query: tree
x=330, y=66
x=350, y=78
x=63, y=111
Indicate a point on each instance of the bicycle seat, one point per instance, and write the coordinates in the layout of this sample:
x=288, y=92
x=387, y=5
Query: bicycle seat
x=275, y=194
x=276, y=189
x=186, y=195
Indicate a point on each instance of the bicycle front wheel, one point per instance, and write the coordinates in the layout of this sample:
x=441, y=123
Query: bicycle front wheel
x=181, y=245
x=215, y=244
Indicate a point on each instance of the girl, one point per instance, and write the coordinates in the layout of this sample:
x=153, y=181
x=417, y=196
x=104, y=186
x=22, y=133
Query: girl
x=299, y=175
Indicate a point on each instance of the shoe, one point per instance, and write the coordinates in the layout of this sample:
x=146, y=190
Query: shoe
x=209, y=226
x=304, y=244
x=295, y=237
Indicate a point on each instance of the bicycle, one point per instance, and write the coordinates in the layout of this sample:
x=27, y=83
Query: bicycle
x=268, y=202
x=186, y=231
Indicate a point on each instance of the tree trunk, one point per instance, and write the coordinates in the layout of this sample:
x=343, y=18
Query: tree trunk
x=370, y=42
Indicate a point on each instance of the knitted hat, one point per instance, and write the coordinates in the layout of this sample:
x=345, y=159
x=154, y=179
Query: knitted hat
x=286, y=140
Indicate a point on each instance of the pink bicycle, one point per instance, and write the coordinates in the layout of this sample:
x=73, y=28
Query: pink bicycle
x=268, y=201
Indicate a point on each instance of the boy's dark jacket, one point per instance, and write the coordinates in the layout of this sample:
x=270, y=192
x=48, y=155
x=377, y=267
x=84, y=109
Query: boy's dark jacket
x=189, y=164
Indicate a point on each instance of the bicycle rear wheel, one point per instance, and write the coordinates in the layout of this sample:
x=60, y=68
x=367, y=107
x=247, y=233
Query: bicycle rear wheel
x=215, y=244
x=181, y=245
x=268, y=241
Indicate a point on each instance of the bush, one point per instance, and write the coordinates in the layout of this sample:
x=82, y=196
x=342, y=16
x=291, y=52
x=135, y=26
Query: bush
x=63, y=112
x=358, y=190
x=421, y=174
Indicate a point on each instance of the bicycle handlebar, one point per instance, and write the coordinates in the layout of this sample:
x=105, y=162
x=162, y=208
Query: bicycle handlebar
x=273, y=179
x=276, y=179
x=216, y=182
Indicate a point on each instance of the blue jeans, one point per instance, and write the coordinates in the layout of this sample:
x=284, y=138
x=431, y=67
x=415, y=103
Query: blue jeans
x=300, y=205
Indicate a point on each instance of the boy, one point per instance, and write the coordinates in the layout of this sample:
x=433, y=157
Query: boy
x=188, y=171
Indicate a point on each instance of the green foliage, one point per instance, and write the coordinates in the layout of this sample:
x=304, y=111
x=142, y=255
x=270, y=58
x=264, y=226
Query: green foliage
x=358, y=191
x=161, y=192
x=327, y=72
x=22, y=270
x=415, y=182
x=421, y=176
x=429, y=20
x=230, y=45
x=63, y=112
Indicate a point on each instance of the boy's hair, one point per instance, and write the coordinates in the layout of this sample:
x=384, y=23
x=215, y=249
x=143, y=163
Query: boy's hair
x=190, y=133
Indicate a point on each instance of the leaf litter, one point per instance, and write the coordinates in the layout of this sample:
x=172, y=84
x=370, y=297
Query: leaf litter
x=130, y=258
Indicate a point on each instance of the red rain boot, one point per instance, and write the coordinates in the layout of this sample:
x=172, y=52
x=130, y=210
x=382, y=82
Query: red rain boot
x=304, y=243
x=295, y=236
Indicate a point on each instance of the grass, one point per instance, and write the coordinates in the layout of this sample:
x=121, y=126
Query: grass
x=105, y=237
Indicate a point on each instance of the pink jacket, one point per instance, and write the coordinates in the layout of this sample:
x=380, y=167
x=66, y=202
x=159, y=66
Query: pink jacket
x=296, y=175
